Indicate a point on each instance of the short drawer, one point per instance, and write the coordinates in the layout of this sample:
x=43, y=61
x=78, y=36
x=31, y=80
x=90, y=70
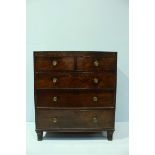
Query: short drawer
x=62, y=99
x=96, y=63
x=75, y=119
x=54, y=63
x=75, y=80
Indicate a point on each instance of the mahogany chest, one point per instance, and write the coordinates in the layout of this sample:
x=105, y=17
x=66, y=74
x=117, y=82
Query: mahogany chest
x=75, y=91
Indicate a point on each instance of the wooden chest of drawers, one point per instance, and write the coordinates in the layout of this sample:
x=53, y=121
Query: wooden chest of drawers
x=75, y=91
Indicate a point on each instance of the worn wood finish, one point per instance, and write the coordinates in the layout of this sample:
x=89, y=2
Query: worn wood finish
x=75, y=80
x=105, y=54
x=95, y=63
x=75, y=91
x=54, y=63
x=48, y=98
x=75, y=119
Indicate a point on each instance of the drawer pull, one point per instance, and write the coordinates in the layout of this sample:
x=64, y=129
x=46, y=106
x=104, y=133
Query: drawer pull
x=95, y=120
x=54, y=120
x=95, y=99
x=55, y=98
x=95, y=80
x=96, y=63
x=54, y=63
x=55, y=80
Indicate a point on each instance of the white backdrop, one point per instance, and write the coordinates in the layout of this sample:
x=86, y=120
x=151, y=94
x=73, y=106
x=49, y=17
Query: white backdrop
x=79, y=25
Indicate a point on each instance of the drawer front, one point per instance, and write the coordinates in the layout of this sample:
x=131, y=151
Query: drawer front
x=54, y=63
x=75, y=119
x=75, y=80
x=96, y=63
x=64, y=99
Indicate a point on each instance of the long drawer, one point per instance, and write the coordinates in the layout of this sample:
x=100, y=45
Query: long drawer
x=75, y=119
x=61, y=99
x=75, y=80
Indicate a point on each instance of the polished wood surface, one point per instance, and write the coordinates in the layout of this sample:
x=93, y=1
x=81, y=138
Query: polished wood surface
x=75, y=80
x=95, y=63
x=48, y=98
x=75, y=119
x=54, y=63
x=75, y=91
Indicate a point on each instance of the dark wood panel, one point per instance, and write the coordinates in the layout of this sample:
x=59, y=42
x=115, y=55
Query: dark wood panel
x=47, y=98
x=74, y=53
x=75, y=91
x=96, y=63
x=76, y=108
x=75, y=119
x=54, y=63
x=75, y=80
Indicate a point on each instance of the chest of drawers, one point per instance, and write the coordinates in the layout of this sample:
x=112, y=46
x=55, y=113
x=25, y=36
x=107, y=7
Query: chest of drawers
x=75, y=91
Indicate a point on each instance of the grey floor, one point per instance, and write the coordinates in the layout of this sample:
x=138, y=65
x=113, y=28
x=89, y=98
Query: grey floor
x=78, y=144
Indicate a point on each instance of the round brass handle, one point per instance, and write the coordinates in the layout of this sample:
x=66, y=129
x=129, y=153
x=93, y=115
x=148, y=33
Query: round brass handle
x=54, y=120
x=55, y=98
x=54, y=62
x=95, y=120
x=95, y=99
x=96, y=63
x=55, y=80
x=95, y=80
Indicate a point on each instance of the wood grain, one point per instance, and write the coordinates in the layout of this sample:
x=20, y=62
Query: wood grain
x=75, y=91
x=75, y=119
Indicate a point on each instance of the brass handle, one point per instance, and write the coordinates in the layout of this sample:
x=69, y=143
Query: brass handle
x=54, y=62
x=95, y=80
x=54, y=120
x=54, y=80
x=96, y=63
x=95, y=120
x=95, y=99
x=55, y=98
